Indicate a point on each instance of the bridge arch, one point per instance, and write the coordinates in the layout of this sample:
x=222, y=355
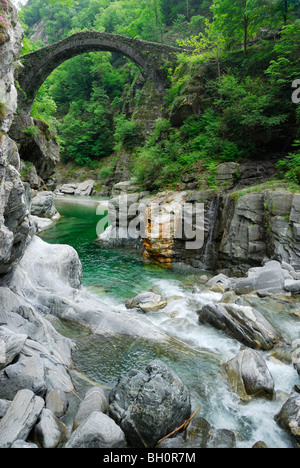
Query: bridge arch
x=152, y=57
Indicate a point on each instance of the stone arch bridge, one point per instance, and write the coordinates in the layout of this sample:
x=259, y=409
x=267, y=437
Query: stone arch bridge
x=153, y=58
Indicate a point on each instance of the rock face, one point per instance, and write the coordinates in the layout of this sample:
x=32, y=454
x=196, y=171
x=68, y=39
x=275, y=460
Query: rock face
x=239, y=230
x=15, y=226
x=261, y=224
x=9, y=58
x=245, y=324
x=37, y=145
x=249, y=376
x=149, y=404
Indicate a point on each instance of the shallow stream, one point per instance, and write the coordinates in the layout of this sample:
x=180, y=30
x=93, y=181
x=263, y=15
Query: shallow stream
x=118, y=274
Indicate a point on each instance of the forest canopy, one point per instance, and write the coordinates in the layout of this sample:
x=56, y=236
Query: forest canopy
x=246, y=51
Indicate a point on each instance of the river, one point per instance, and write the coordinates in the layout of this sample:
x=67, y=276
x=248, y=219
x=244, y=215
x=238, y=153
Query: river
x=115, y=275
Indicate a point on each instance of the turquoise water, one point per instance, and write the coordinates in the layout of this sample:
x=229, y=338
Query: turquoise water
x=116, y=274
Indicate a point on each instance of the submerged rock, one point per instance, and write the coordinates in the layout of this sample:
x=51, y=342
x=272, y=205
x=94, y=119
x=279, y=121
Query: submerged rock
x=200, y=434
x=249, y=376
x=147, y=301
x=245, y=324
x=149, y=404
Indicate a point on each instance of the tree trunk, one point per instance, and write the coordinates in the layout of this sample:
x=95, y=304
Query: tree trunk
x=285, y=14
x=246, y=23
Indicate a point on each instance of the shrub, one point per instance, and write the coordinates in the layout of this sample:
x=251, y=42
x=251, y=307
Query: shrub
x=4, y=5
x=290, y=165
x=126, y=132
x=105, y=172
x=3, y=23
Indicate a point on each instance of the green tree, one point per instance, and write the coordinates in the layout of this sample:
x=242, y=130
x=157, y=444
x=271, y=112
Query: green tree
x=240, y=20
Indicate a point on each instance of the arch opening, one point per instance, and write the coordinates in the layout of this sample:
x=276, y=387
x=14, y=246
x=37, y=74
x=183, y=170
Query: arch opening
x=152, y=58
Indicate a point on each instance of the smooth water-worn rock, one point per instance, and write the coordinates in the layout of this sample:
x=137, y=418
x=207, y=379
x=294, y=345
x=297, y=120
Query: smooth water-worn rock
x=11, y=345
x=85, y=189
x=4, y=405
x=95, y=400
x=97, y=431
x=270, y=278
x=149, y=404
x=147, y=301
x=20, y=418
x=244, y=323
x=249, y=376
x=292, y=285
x=21, y=444
x=49, y=431
x=289, y=418
x=43, y=205
x=49, y=278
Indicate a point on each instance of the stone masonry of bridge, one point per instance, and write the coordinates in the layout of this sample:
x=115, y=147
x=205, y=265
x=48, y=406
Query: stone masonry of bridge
x=154, y=59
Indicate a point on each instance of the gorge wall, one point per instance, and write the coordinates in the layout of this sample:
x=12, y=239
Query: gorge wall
x=239, y=229
x=15, y=226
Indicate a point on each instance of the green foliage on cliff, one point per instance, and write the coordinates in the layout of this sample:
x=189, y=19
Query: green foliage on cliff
x=230, y=99
x=2, y=111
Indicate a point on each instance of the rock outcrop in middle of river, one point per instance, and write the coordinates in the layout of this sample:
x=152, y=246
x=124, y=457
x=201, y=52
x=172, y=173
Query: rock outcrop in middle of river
x=150, y=404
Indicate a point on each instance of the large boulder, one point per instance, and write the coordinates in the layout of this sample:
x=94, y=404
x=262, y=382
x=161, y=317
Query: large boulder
x=98, y=431
x=249, y=375
x=270, y=278
x=95, y=400
x=85, y=189
x=245, y=324
x=49, y=431
x=149, y=404
x=289, y=418
x=20, y=418
x=43, y=205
